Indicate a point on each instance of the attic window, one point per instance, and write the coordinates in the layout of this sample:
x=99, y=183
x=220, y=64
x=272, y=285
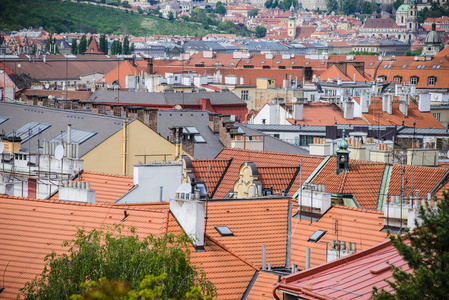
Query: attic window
x=248, y=61
x=29, y=130
x=387, y=67
x=307, y=62
x=224, y=231
x=231, y=64
x=278, y=62
x=322, y=62
x=262, y=62
x=317, y=236
x=404, y=66
x=371, y=63
x=292, y=63
x=421, y=66
x=436, y=67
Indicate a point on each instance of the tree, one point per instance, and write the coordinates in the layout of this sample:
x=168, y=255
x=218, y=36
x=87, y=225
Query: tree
x=261, y=31
x=118, y=256
x=332, y=5
x=103, y=44
x=397, y=3
x=253, y=12
x=126, y=45
x=349, y=6
x=170, y=16
x=74, y=47
x=426, y=253
x=89, y=41
x=132, y=48
x=82, y=46
x=151, y=287
x=220, y=9
x=369, y=8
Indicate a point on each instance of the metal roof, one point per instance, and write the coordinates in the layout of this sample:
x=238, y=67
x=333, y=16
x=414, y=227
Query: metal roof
x=29, y=130
x=78, y=136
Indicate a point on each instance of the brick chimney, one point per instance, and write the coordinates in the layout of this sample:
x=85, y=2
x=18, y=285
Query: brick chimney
x=205, y=104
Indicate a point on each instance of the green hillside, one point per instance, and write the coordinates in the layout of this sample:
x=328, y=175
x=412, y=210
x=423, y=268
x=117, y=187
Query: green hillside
x=56, y=16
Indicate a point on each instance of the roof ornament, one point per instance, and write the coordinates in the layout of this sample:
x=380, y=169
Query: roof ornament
x=342, y=155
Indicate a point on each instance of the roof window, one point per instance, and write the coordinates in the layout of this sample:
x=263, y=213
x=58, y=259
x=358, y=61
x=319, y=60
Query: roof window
x=29, y=130
x=371, y=63
x=78, y=136
x=293, y=62
x=317, y=235
x=224, y=231
x=262, y=62
x=307, y=62
x=404, y=66
x=421, y=67
x=278, y=62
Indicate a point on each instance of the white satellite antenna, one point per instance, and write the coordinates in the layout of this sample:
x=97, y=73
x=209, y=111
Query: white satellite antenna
x=2, y=147
x=47, y=86
x=59, y=152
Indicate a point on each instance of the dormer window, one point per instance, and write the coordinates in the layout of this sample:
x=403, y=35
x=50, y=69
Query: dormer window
x=431, y=80
x=414, y=80
x=397, y=79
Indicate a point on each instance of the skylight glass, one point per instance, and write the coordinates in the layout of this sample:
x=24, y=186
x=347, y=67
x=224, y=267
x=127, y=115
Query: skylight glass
x=199, y=139
x=316, y=236
x=3, y=119
x=262, y=62
x=29, y=130
x=78, y=136
x=224, y=231
x=191, y=129
x=278, y=62
x=404, y=66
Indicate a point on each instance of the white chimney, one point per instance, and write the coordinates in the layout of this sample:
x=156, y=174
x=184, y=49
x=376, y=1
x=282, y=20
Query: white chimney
x=186, y=80
x=242, y=80
x=298, y=109
x=77, y=191
x=44, y=58
x=348, y=110
x=149, y=82
x=197, y=81
x=364, y=102
x=387, y=103
x=424, y=103
x=189, y=211
x=69, y=133
x=231, y=79
x=403, y=104
x=285, y=82
x=6, y=188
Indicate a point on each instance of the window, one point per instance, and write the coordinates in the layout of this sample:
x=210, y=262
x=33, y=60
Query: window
x=266, y=67
x=431, y=80
x=278, y=62
x=414, y=80
x=224, y=231
x=397, y=79
x=437, y=116
x=244, y=95
x=404, y=66
x=316, y=236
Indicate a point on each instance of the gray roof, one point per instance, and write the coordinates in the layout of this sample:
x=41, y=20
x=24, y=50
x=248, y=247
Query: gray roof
x=273, y=144
x=259, y=46
x=20, y=115
x=141, y=98
x=286, y=128
x=191, y=118
x=203, y=45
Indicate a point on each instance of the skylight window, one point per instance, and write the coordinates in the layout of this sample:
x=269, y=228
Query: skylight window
x=231, y=64
x=3, y=119
x=248, y=61
x=307, y=62
x=199, y=139
x=29, y=130
x=292, y=62
x=262, y=62
x=322, y=62
x=404, y=66
x=191, y=129
x=316, y=236
x=421, y=67
x=278, y=62
x=224, y=231
x=78, y=136
x=371, y=63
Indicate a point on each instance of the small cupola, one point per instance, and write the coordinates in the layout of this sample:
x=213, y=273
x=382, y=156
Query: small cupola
x=342, y=155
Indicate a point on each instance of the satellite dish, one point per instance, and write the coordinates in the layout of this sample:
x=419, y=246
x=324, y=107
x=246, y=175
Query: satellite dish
x=59, y=152
x=314, y=76
x=2, y=147
x=19, y=65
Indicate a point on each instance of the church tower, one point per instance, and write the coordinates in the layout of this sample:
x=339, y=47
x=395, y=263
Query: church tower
x=342, y=155
x=291, y=24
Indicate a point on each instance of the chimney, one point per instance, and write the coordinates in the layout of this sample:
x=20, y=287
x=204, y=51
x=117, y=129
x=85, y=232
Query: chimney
x=99, y=108
x=364, y=102
x=189, y=211
x=78, y=191
x=150, y=66
x=69, y=133
x=348, y=110
x=298, y=108
x=285, y=84
x=387, y=103
x=44, y=58
x=149, y=82
x=6, y=188
x=205, y=104
x=424, y=103
x=116, y=110
x=242, y=80
x=403, y=104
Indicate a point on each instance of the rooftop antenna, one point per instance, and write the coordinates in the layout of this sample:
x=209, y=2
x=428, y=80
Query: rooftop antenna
x=207, y=196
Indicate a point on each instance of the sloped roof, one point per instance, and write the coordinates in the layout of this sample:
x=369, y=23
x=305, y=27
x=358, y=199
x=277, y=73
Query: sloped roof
x=119, y=73
x=354, y=181
x=351, y=277
x=210, y=176
x=443, y=53
x=333, y=73
x=324, y=114
x=73, y=95
x=253, y=223
x=264, y=159
x=353, y=225
x=94, y=48
x=108, y=188
x=263, y=287
x=380, y=23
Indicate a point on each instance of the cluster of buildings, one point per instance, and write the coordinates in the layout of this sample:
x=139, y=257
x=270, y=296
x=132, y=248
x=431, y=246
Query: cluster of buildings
x=279, y=157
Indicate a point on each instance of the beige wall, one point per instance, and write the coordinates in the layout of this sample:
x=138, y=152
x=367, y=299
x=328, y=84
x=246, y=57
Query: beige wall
x=108, y=156
x=264, y=96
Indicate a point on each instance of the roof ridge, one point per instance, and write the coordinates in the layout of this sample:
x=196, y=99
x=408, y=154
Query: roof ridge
x=359, y=209
x=231, y=252
x=107, y=174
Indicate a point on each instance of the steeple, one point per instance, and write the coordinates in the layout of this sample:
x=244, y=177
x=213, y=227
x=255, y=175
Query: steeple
x=291, y=24
x=342, y=155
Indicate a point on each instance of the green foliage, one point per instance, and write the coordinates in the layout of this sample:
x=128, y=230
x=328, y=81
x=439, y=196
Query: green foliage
x=332, y=5
x=427, y=255
x=126, y=46
x=103, y=44
x=363, y=53
x=348, y=7
x=415, y=52
x=369, y=7
x=220, y=9
x=50, y=45
x=435, y=11
x=118, y=256
x=151, y=287
x=74, y=47
x=170, y=16
x=82, y=45
x=282, y=4
x=89, y=41
x=253, y=12
x=397, y=3
x=116, y=47
x=260, y=31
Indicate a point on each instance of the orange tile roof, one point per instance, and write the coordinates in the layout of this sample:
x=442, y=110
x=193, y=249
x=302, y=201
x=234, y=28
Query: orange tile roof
x=108, y=188
x=217, y=168
x=423, y=179
x=354, y=225
x=325, y=114
x=263, y=287
x=43, y=225
x=264, y=159
x=354, y=181
x=376, y=116
x=120, y=73
x=333, y=73
x=254, y=223
x=280, y=178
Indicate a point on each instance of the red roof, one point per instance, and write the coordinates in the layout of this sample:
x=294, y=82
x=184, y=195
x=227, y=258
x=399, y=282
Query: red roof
x=351, y=277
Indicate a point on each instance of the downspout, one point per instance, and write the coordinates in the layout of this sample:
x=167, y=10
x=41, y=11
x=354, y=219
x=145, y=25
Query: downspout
x=124, y=145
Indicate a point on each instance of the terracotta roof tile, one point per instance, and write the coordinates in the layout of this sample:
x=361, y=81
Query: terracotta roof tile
x=354, y=181
x=216, y=171
x=354, y=225
x=264, y=159
x=325, y=114
x=120, y=73
x=108, y=188
x=263, y=287
x=253, y=224
x=417, y=178
x=279, y=178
